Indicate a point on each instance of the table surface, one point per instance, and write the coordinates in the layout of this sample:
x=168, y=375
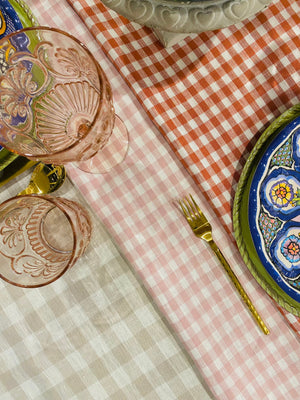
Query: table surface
x=148, y=295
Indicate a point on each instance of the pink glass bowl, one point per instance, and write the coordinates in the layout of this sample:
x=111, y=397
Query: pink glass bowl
x=56, y=102
x=41, y=237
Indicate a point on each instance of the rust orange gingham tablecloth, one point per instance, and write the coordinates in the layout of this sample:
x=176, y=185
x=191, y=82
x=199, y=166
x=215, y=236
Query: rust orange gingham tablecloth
x=136, y=200
x=211, y=96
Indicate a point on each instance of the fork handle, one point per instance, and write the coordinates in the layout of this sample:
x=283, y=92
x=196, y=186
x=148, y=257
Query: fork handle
x=239, y=287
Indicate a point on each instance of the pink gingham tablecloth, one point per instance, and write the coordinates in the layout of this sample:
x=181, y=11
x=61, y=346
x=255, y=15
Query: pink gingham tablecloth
x=137, y=203
x=210, y=96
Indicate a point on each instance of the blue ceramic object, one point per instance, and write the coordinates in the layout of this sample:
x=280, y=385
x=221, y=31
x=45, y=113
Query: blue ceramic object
x=9, y=22
x=274, y=209
x=9, y=19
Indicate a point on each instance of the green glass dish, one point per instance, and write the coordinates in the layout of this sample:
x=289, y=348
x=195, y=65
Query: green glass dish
x=241, y=208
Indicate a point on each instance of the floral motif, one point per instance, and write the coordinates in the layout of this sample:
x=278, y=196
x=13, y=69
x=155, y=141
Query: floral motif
x=16, y=92
x=75, y=64
x=281, y=194
x=290, y=248
x=12, y=231
x=37, y=267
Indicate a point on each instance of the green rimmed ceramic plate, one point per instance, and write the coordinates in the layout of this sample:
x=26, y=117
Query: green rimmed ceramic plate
x=243, y=231
x=24, y=13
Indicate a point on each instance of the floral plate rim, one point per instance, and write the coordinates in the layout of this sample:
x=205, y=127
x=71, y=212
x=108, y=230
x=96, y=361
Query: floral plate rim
x=240, y=214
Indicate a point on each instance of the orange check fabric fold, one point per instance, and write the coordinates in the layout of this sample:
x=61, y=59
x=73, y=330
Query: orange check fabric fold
x=211, y=95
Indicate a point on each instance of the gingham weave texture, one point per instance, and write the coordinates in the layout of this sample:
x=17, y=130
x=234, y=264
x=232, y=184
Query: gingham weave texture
x=93, y=334
x=212, y=96
x=136, y=203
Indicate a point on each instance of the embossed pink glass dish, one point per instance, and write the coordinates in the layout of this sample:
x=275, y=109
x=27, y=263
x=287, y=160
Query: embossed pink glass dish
x=56, y=102
x=41, y=237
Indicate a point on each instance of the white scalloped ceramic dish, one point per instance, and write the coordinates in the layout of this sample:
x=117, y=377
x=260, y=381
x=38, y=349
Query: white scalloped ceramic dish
x=172, y=19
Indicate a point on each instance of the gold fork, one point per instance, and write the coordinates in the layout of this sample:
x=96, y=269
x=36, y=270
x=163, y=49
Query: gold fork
x=202, y=229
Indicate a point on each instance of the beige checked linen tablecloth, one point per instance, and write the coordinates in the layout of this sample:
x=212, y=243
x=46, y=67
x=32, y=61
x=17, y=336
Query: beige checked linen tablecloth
x=137, y=204
x=93, y=334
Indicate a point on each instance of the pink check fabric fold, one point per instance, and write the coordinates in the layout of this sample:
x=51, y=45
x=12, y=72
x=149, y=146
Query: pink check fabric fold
x=137, y=203
x=210, y=96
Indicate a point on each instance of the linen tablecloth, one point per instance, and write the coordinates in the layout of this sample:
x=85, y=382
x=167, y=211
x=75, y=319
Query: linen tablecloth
x=137, y=203
x=93, y=334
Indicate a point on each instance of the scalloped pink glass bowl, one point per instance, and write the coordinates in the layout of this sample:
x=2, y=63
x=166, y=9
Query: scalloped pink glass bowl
x=41, y=237
x=56, y=101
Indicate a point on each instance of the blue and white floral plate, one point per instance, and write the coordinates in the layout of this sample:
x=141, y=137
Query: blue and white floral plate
x=266, y=212
x=14, y=15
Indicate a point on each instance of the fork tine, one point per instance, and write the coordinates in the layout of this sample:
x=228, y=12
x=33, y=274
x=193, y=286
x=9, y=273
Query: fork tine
x=188, y=209
x=191, y=206
x=197, y=209
x=184, y=208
